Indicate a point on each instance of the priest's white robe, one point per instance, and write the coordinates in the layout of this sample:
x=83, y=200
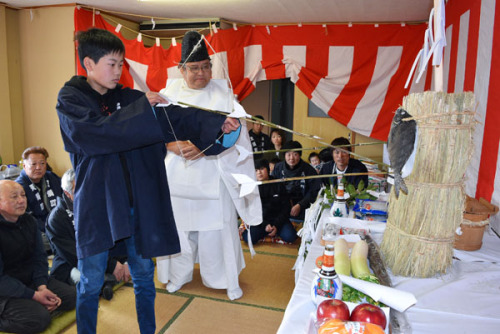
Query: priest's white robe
x=206, y=202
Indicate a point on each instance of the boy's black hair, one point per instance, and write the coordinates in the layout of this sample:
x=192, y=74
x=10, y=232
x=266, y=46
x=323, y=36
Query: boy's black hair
x=96, y=43
x=325, y=155
x=342, y=141
x=261, y=163
x=259, y=117
x=313, y=154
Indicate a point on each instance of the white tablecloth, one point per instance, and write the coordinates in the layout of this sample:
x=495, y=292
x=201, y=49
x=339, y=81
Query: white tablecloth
x=465, y=300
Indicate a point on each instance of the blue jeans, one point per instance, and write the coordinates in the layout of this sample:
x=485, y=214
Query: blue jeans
x=287, y=233
x=92, y=271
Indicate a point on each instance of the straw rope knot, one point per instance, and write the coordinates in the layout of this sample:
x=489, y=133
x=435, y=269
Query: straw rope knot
x=434, y=185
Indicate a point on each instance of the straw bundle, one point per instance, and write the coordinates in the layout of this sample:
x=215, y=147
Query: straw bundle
x=418, y=241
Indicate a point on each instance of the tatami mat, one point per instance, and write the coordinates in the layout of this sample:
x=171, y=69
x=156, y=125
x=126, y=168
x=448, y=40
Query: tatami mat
x=275, y=248
x=267, y=280
x=219, y=317
x=267, y=283
x=118, y=315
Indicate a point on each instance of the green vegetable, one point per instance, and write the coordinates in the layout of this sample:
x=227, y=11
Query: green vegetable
x=349, y=294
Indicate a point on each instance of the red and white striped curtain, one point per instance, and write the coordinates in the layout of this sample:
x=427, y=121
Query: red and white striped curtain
x=472, y=63
x=354, y=74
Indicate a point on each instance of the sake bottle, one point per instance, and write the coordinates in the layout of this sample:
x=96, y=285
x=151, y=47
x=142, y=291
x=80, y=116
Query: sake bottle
x=339, y=207
x=327, y=284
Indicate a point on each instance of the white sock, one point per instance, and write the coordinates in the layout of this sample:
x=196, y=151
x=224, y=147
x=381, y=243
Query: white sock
x=171, y=287
x=235, y=293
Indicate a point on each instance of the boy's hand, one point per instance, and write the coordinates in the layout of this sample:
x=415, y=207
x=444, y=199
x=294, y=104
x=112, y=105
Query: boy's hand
x=230, y=124
x=155, y=98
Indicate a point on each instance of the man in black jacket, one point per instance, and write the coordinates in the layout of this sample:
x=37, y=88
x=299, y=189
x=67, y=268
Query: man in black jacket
x=302, y=191
x=27, y=295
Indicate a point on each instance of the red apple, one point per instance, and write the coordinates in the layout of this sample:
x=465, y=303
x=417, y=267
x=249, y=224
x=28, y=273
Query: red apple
x=332, y=309
x=369, y=313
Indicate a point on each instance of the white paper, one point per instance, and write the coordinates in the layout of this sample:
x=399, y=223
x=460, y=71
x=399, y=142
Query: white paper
x=358, y=224
x=398, y=300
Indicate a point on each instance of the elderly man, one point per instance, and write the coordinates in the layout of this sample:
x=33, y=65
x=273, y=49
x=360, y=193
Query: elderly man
x=27, y=295
x=41, y=186
x=205, y=196
x=61, y=233
x=342, y=163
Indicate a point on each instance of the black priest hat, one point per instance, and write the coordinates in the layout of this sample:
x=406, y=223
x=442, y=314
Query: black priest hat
x=189, y=42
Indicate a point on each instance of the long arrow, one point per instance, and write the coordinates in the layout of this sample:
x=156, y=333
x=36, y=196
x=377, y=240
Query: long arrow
x=239, y=112
x=248, y=184
x=318, y=147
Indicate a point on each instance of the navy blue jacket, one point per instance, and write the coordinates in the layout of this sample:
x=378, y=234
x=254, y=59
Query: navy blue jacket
x=33, y=205
x=116, y=146
x=354, y=166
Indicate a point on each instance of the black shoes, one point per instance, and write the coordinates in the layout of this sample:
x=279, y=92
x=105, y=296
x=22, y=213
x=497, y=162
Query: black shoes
x=107, y=291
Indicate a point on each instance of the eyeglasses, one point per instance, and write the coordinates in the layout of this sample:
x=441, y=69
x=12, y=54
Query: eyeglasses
x=196, y=69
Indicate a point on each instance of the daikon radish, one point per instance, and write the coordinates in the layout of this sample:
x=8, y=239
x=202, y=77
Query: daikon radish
x=359, y=260
x=342, y=263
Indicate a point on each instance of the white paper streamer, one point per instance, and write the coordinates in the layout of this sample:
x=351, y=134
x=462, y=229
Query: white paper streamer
x=397, y=299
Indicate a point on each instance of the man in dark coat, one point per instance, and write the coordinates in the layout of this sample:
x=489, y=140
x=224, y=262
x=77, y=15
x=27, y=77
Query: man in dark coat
x=40, y=185
x=302, y=192
x=27, y=295
x=342, y=163
x=116, y=144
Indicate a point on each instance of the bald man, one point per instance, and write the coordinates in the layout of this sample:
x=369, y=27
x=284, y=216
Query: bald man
x=27, y=295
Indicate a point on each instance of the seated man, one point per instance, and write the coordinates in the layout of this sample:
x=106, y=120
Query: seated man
x=342, y=163
x=61, y=233
x=28, y=296
x=41, y=186
x=302, y=192
x=275, y=209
